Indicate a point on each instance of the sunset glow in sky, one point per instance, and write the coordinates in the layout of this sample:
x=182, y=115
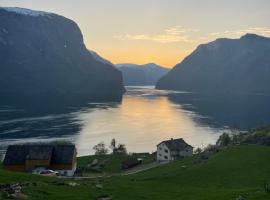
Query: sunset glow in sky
x=160, y=31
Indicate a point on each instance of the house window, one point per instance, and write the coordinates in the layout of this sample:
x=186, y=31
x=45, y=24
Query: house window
x=166, y=150
x=160, y=148
x=186, y=150
x=159, y=155
x=166, y=157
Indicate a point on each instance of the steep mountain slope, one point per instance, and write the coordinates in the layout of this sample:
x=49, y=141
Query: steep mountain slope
x=43, y=55
x=147, y=74
x=224, y=66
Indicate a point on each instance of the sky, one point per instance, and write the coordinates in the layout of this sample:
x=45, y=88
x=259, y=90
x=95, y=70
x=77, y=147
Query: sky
x=159, y=31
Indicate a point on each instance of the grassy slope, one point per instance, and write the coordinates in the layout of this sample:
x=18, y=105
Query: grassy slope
x=226, y=175
x=113, y=164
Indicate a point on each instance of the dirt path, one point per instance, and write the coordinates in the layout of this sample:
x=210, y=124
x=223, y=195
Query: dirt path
x=135, y=170
x=142, y=168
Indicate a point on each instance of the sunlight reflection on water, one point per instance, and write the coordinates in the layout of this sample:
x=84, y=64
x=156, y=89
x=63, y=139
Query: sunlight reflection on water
x=141, y=123
x=144, y=118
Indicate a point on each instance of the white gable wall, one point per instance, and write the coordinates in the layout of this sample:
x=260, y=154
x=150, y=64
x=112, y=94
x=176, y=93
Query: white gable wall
x=163, y=152
x=187, y=152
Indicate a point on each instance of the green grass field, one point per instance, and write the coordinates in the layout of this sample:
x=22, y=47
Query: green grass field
x=240, y=170
x=112, y=162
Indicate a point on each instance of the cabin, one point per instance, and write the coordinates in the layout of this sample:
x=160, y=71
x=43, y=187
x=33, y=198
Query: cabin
x=27, y=158
x=173, y=149
x=130, y=163
x=142, y=155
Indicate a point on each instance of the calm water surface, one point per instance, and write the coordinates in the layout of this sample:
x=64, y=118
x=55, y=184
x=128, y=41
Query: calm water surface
x=143, y=119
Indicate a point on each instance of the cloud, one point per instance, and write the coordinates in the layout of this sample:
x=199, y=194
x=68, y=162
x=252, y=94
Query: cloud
x=179, y=34
x=264, y=31
x=170, y=35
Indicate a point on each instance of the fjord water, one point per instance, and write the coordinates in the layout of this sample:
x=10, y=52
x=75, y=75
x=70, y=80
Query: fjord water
x=144, y=118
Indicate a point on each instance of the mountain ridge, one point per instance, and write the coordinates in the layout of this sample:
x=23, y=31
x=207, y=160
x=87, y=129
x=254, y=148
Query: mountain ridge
x=223, y=66
x=45, y=55
x=139, y=75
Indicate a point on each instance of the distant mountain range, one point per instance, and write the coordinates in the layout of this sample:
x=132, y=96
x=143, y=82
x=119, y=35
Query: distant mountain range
x=228, y=66
x=43, y=55
x=139, y=75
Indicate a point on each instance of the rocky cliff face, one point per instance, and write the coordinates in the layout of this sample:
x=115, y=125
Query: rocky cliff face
x=138, y=75
x=43, y=54
x=239, y=66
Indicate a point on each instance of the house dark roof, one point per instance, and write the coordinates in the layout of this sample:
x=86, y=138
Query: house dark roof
x=59, y=154
x=16, y=155
x=63, y=154
x=175, y=144
x=39, y=152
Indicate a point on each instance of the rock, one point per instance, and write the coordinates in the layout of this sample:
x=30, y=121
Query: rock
x=240, y=198
x=18, y=196
x=94, y=162
x=105, y=197
x=12, y=191
x=73, y=184
x=99, y=186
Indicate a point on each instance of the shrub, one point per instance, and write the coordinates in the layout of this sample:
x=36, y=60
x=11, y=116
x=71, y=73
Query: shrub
x=100, y=149
x=267, y=187
x=224, y=140
x=211, y=148
x=198, y=151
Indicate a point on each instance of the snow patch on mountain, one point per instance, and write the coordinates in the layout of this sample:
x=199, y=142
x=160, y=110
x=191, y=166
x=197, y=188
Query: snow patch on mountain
x=25, y=11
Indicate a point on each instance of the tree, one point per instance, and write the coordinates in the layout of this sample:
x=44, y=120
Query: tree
x=100, y=149
x=198, y=151
x=120, y=149
x=113, y=144
x=224, y=140
x=211, y=148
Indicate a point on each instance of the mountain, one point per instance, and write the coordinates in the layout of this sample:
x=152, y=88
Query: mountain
x=98, y=58
x=43, y=55
x=236, y=66
x=147, y=74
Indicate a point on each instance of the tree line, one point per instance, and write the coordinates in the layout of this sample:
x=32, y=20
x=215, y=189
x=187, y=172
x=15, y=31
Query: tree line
x=101, y=149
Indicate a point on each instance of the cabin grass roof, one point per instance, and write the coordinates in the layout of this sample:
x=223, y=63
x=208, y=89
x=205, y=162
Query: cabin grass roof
x=58, y=154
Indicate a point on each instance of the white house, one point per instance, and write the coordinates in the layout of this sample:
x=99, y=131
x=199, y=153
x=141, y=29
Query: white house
x=173, y=149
